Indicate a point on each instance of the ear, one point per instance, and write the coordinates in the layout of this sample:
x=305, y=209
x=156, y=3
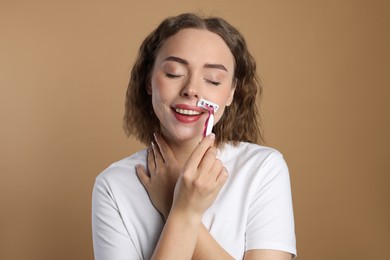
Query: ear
x=149, y=88
x=231, y=95
x=149, y=84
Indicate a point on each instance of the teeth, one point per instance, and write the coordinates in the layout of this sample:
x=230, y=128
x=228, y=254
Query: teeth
x=187, y=112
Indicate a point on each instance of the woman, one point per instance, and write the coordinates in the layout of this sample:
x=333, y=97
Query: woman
x=188, y=196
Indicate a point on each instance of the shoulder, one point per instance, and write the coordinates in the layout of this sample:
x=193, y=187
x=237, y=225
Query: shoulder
x=255, y=165
x=254, y=154
x=122, y=171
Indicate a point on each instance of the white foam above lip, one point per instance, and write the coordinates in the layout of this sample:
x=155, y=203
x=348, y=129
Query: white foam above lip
x=206, y=104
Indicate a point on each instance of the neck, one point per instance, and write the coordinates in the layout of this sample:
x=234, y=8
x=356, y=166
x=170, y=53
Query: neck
x=182, y=149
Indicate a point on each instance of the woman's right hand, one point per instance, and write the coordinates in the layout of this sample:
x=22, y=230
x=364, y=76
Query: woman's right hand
x=200, y=181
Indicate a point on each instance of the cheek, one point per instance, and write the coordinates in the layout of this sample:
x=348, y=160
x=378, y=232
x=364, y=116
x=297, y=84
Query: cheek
x=160, y=96
x=223, y=99
x=218, y=115
x=157, y=100
x=157, y=89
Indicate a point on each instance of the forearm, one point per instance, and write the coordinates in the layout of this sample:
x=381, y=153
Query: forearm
x=179, y=237
x=185, y=237
x=207, y=247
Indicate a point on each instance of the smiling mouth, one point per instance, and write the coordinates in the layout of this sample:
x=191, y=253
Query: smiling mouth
x=187, y=112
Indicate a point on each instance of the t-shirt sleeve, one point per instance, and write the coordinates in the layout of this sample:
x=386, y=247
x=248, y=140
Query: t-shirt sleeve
x=271, y=221
x=111, y=240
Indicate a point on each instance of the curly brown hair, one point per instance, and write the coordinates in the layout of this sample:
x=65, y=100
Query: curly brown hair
x=240, y=121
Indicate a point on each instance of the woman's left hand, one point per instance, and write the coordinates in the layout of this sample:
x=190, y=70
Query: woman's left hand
x=162, y=176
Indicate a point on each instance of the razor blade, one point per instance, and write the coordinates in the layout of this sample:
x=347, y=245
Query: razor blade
x=211, y=108
x=203, y=103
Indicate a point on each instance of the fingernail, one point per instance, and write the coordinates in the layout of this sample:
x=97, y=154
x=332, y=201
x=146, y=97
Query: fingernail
x=211, y=136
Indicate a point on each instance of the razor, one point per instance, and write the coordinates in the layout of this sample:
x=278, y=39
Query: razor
x=211, y=108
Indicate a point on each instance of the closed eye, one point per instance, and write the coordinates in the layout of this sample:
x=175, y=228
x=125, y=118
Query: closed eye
x=171, y=76
x=215, y=83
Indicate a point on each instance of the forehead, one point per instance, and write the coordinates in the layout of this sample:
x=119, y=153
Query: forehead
x=197, y=45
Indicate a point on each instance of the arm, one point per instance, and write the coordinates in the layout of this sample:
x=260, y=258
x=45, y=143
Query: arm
x=197, y=187
x=277, y=180
x=179, y=236
x=208, y=248
x=110, y=237
x=267, y=255
x=270, y=221
x=271, y=216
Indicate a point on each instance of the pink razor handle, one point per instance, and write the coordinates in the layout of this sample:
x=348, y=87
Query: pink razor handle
x=211, y=108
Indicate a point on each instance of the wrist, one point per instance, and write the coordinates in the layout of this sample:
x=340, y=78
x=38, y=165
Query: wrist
x=165, y=215
x=185, y=216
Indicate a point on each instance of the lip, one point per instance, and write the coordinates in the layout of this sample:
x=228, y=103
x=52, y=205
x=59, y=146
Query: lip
x=189, y=107
x=187, y=118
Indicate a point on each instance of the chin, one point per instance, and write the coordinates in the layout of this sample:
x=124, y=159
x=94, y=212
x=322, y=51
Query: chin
x=188, y=136
x=184, y=135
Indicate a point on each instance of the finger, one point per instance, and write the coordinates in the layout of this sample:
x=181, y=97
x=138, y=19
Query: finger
x=217, y=168
x=142, y=175
x=209, y=162
x=199, y=152
x=158, y=159
x=164, y=148
x=151, y=161
x=222, y=177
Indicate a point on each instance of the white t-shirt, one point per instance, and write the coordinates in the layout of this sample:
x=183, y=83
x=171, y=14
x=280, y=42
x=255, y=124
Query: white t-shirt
x=252, y=211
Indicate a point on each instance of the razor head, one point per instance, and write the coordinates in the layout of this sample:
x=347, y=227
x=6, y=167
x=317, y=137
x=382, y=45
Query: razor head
x=208, y=105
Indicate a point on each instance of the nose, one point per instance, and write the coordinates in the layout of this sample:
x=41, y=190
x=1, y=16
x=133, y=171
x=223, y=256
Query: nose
x=190, y=88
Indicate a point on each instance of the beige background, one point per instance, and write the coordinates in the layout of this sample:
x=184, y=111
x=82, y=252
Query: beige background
x=64, y=68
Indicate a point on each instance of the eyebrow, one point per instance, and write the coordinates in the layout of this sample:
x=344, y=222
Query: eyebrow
x=215, y=66
x=184, y=62
x=176, y=59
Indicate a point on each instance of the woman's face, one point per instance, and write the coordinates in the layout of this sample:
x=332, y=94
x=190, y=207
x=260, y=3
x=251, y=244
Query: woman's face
x=191, y=65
